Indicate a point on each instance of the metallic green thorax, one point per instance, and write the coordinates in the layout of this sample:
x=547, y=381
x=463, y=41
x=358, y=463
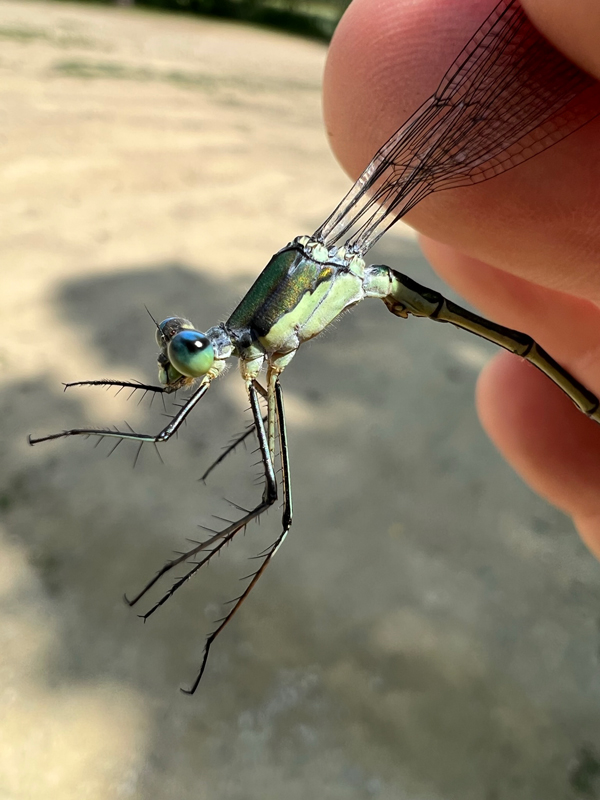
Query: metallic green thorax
x=303, y=288
x=278, y=290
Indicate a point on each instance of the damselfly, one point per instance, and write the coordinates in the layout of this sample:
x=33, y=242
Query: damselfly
x=507, y=97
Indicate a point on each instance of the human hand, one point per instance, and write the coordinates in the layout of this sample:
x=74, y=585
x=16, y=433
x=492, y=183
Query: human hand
x=524, y=248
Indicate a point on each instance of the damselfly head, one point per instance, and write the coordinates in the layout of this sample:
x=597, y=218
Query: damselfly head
x=185, y=353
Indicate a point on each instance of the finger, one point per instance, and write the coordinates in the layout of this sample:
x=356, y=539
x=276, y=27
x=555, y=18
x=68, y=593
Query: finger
x=382, y=66
x=551, y=444
x=572, y=27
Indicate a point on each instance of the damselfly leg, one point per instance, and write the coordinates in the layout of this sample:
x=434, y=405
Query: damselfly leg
x=112, y=433
x=266, y=442
x=275, y=402
x=233, y=445
x=223, y=537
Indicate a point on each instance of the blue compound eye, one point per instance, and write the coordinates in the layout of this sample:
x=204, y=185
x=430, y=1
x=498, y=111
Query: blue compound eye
x=191, y=353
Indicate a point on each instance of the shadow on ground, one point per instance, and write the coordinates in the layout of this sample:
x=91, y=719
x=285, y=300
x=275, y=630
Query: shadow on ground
x=429, y=629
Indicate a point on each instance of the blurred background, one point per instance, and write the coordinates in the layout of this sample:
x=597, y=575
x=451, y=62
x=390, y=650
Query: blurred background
x=429, y=631
x=313, y=18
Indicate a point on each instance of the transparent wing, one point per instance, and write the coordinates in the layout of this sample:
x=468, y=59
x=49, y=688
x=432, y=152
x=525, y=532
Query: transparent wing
x=508, y=96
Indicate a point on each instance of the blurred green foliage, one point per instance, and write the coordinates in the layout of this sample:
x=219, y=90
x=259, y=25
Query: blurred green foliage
x=314, y=18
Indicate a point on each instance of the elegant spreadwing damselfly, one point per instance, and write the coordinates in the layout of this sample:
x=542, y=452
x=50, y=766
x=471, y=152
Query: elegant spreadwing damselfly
x=507, y=96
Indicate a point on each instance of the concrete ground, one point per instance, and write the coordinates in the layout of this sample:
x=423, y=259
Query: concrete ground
x=430, y=629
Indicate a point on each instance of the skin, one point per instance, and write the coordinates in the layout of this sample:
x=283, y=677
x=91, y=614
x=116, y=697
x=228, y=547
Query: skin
x=524, y=248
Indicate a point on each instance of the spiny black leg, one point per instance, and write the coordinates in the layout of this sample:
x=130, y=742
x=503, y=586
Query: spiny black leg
x=238, y=440
x=162, y=436
x=108, y=382
x=227, y=534
x=286, y=523
x=229, y=449
x=169, y=566
x=288, y=510
x=222, y=537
